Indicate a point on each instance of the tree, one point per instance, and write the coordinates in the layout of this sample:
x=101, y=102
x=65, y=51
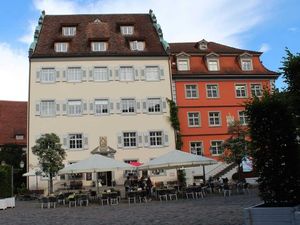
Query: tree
x=50, y=155
x=274, y=149
x=236, y=147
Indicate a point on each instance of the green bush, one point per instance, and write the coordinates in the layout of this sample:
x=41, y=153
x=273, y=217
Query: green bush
x=5, y=184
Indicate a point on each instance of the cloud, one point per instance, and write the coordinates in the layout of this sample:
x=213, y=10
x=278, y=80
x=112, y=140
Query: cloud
x=13, y=73
x=293, y=29
x=28, y=37
x=264, y=47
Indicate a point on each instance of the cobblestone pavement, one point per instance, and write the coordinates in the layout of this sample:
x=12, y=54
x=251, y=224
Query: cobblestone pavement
x=212, y=210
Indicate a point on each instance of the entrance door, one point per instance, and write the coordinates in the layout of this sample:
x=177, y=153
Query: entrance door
x=105, y=178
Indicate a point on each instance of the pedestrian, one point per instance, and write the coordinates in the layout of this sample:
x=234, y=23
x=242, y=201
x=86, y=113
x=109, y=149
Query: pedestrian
x=149, y=186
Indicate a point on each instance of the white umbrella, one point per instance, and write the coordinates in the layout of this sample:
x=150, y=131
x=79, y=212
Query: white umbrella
x=33, y=172
x=177, y=159
x=95, y=163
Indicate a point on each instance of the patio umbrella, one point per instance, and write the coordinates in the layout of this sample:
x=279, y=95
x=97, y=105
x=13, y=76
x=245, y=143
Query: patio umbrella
x=136, y=164
x=177, y=159
x=34, y=172
x=95, y=163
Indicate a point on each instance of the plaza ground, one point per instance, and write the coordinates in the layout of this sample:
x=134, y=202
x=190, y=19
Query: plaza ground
x=212, y=210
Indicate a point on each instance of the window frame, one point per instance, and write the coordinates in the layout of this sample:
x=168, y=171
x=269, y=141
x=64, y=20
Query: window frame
x=245, y=118
x=98, y=46
x=160, y=105
x=42, y=75
x=211, y=146
x=186, y=91
x=128, y=105
x=255, y=90
x=217, y=91
x=130, y=139
x=77, y=74
x=137, y=45
x=179, y=65
x=246, y=90
x=126, y=73
x=68, y=107
x=75, y=141
x=101, y=106
x=125, y=30
x=209, y=66
x=219, y=117
x=69, y=31
x=147, y=73
x=156, y=139
x=194, y=119
x=248, y=62
x=61, y=47
x=202, y=147
x=104, y=68
x=54, y=108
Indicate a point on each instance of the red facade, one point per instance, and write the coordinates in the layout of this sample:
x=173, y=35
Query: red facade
x=212, y=84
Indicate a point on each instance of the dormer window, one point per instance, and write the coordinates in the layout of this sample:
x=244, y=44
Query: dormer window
x=246, y=64
x=137, y=45
x=202, y=45
x=99, y=46
x=127, y=30
x=61, y=46
x=212, y=61
x=68, y=31
x=183, y=64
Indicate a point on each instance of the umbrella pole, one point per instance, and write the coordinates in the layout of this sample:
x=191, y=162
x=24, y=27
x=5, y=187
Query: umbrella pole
x=97, y=186
x=204, y=180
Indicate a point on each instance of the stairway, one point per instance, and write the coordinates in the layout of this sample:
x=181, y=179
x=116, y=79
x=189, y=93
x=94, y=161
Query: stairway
x=225, y=171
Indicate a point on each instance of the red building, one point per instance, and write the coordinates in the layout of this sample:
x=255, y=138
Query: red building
x=211, y=83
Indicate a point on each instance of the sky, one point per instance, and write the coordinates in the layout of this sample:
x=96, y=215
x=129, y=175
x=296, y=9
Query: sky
x=268, y=26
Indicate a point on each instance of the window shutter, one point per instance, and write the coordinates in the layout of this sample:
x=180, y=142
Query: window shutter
x=37, y=108
x=110, y=75
x=120, y=140
x=57, y=76
x=118, y=107
x=91, y=75
x=64, y=108
x=65, y=141
x=164, y=105
x=83, y=72
x=37, y=78
x=57, y=108
x=84, y=107
x=144, y=102
x=138, y=106
x=140, y=140
x=111, y=107
x=85, y=141
x=143, y=74
x=166, y=139
x=162, y=75
x=117, y=77
x=136, y=74
x=146, y=139
x=91, y=107
x=64, y=76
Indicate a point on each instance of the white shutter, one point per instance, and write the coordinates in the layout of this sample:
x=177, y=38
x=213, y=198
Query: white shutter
x=65, y=142
x=38, y=76
x=120, y=140
x=91, y=75
x=57, y=76
x=111, y=107
x=164, y=105
x=143, y=74
x=85, y=141
x=136, y=74
x=91, y=107
x=117, y=75
x=162, y=75
x=84, y=107
x=83, y=72
x=144, y=103
x=64, y=76
x=140, y=140
x=64, y=108
x=138, y=106
x=118, y=107
x=166, y=139
x=110, y=75
x=146, y=139
x=37, y=108
x=57, y=108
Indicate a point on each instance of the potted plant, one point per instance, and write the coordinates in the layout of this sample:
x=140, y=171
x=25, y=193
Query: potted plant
x=275, y=153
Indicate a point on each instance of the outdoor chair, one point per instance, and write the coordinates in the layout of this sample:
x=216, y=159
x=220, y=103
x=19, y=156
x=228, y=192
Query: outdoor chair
x=131, y=196
x=83, y=200
x=103, y=199
x=45, y=201
x=72, y=200
x=52, y=202
x=162, y=195
x=246, y=188
x=114, y=199
x=198, y=192
x=226, y=190
x=61, y=199
x=172, y=193
x=189, y=192
x=142, y=196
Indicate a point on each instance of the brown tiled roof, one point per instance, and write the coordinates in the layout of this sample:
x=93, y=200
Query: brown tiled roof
x=108, y=28
x=13, y=122
x=192, y=48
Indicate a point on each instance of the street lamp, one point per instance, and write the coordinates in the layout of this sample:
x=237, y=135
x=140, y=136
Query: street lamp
x=12, y=174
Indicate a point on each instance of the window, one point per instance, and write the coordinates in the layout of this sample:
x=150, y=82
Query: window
x=194, y=119
x=130, y=172
x=88, y=176
x=74, y=107
x=241, y=90
x=137, y=45
x=19, y=137
x=158, y=172
x=216, y=147
x=256, y=90
x=191, y=91
x=246, y=64
x=152, y=73
x=156, y=138
x=61, y=46
x=48, y=108
x=99, y=46
x=243, y=118
x=75, y=141
x=212, y=90
x=69, y=31
x=101, y=106
x=214, y=118
x=127, y=30
x=129, y=139
x=154, y=105
x=183, y=64
x=74, y=74
x=196, y=148
x=126, y=73
x=128, y=106
x=48, y=75
x=100, y=74
x=213, y=64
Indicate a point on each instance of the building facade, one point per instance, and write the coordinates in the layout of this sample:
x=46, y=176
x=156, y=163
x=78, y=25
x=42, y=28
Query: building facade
x=211, y=83
x=100, y=77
